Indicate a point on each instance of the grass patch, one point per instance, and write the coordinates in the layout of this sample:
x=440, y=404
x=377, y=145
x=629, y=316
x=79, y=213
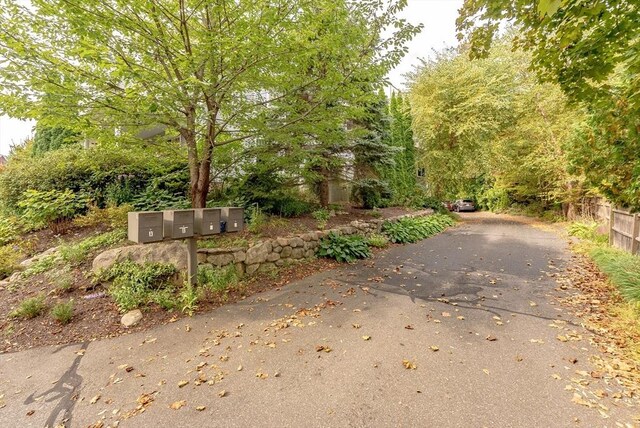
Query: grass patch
x=63, y=312
x=217, y=280
x=623, y=269
x=377, y=240
x=29, y=308
x=134, y=285
x=77, y=253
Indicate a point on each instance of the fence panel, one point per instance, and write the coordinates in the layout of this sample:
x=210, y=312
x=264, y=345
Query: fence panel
x=623, y=227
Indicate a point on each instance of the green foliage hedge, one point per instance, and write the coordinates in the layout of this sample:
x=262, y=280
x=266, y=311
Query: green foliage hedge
x=344, y=248
x=107, y=175
x=410, y=230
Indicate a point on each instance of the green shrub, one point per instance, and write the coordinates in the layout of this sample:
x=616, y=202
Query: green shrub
x=10, y=229
x=217, y=279
x=371, y=193
x=78, y=252
x=10, y=257
x=622, y=268
x=293, y=207
x=62, y=280
x=133, y=284
x=256, y=219
x=188, y=298
x=344, y=248
x=50, y=208
x=112, y=216
x=29, y=308
x=63, y=312
x=377, y=240
x=322, y=217
x=165, y=298
x=409, y=230
x=587, y=230
x=105, y=175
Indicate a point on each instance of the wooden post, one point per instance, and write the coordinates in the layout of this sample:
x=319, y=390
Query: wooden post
x=611, y=214
x=635, y=244
x=192, y=260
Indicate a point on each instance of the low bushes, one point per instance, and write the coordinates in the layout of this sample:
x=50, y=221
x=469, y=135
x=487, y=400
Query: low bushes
x=29, y=308
x=409, y=230
x=344, y=248
x=134, y=285
x=403, y=231
x=52, y=208
x=77, y=253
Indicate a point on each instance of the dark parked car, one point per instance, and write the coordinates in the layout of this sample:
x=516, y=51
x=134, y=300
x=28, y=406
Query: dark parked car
x=464, y=205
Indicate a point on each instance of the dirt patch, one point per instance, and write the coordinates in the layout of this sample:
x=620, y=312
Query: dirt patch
x=98, y=317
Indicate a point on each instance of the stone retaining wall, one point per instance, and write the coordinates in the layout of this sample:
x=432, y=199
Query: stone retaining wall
x=272, y=253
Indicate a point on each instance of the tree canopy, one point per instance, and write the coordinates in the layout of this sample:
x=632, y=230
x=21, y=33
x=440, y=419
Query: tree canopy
x=213, y=72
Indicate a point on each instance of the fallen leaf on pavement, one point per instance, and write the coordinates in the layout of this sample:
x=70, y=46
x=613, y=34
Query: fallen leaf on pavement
x=95, y=399
x=178, y=405
x=323, y=348
x=434, y=348
x=446, y=314
x=409, y=365
x=222, y=393
x=183, y=383
x=491, y=338
x=486, y=371
x=366, y=337
x=408, y=327
x=201, y=408
x=356, y=325
x=262, y=375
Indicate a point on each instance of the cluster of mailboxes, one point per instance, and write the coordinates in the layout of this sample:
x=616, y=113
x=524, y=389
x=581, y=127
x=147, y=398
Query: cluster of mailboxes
x=154, y=226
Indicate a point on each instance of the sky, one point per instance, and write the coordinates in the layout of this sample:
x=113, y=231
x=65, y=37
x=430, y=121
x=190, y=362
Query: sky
x=437, y=16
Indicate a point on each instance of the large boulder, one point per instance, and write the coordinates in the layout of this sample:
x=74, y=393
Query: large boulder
x=173, y=252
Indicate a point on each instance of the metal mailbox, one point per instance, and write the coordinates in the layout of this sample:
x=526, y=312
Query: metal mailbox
x=207, y=221
x=178, y=224
x=234, y=217
x=145, y=227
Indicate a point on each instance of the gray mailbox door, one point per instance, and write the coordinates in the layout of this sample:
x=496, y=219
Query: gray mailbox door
x=145, y=227
x=234, y=218
x=207, y=221
x=178, y=224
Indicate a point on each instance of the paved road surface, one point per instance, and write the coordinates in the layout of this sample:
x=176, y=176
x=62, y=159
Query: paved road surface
x=483, y=280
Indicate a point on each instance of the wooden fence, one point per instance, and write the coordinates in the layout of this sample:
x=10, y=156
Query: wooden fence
x=624, y=227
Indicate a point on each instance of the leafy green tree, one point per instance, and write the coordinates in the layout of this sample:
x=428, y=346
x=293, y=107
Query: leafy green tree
x=574, y=43
x=402, y=176
x=47, y=139
x=488, y=128
x=592, y=50
x=372, y=153
x=213, y=72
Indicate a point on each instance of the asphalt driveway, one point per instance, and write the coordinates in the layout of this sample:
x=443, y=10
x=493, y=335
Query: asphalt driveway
x=459, y=330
